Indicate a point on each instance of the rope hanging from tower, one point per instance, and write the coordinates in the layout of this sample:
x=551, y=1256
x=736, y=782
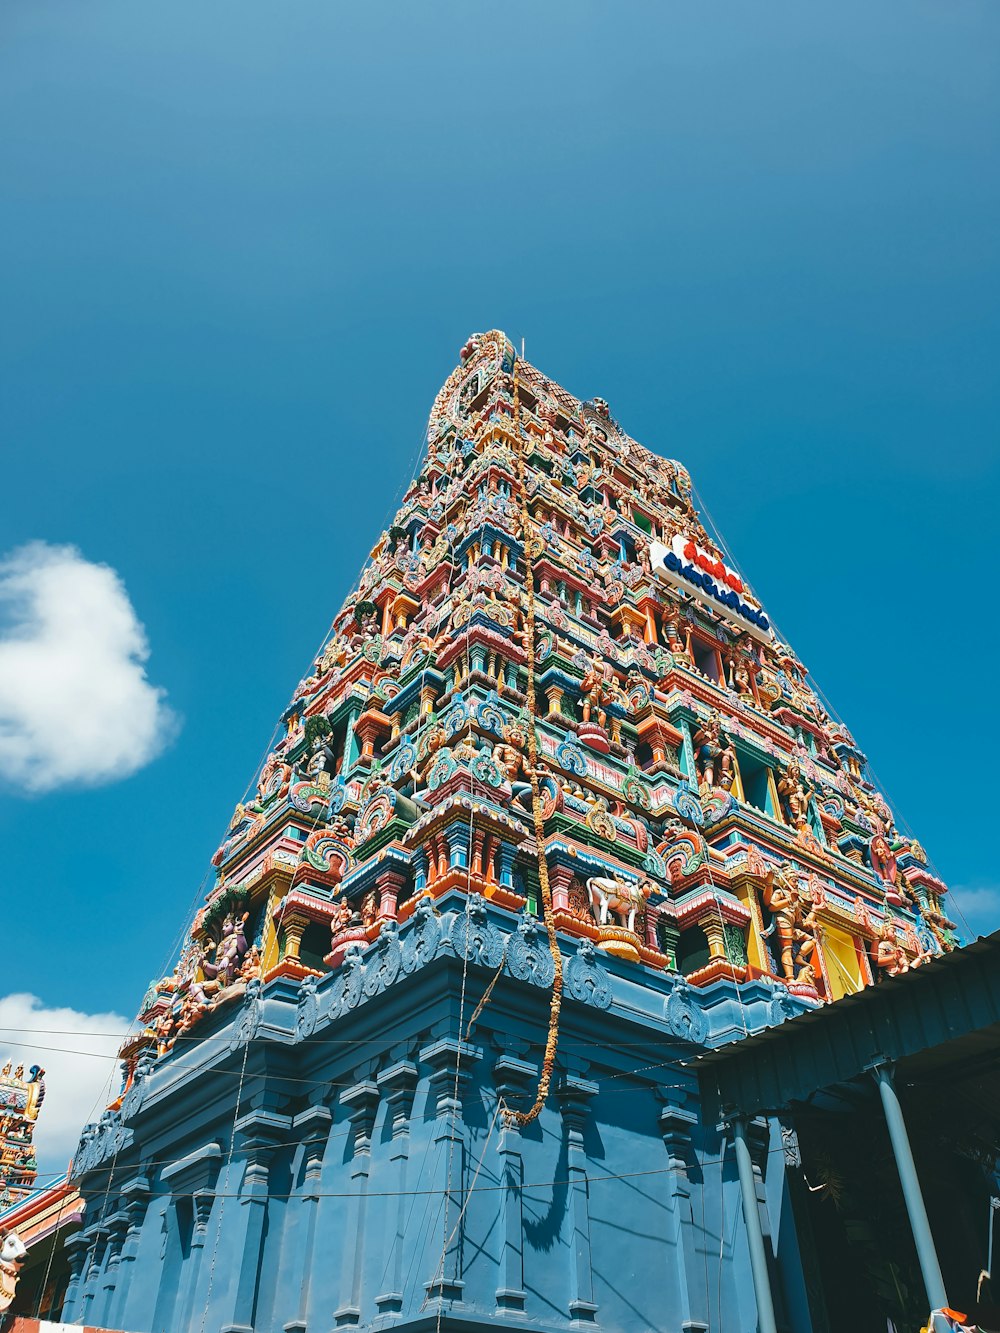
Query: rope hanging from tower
x=548, y=916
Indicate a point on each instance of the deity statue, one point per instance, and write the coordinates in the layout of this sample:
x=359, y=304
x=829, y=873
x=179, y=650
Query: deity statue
x=597, y=690
x=741, y=676
x=321, y=764
x=714, y=756
x=341, y=917
x=511, y=762
x=794, y=925
x=793, y=795
x=229, y=952
x=889, y=956
x=672, y=626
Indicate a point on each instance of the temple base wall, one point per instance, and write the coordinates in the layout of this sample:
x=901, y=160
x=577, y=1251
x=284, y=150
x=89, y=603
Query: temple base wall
x=334, y=1154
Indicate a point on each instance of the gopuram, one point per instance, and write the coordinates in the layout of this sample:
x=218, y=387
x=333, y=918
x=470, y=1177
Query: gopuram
x=21, y=1097
x=554, y=811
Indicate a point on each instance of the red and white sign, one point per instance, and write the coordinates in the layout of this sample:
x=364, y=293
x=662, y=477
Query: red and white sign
x=686, y=549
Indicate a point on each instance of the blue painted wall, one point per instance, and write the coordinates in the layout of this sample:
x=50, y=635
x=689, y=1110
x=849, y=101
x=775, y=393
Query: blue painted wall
x=307, y=1164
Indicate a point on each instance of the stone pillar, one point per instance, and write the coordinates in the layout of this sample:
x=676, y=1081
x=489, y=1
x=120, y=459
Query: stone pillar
x=262, y=1132
x=755, y=1235
x=419, y=872
x=458, y=846
x=668, y=937
x=715, y=932
x=194, y=1175
x=554, y=694
x=916, y=1211
x=397, y=1085
x=361, y=1101
x=652, y=915
x=76, y=1248
x=390, y=884
x=202, y=1201
x=687, y=750
x=313, y=1124
x=507, y=854
x=117, y=1228
x=135, y=1198
x=451, y=1064
x=95, y=1254
x=574, y=1095
x=513, y=1077
x=350, y=741
x=293, y=925
x=676, y=1124
x=560, y=878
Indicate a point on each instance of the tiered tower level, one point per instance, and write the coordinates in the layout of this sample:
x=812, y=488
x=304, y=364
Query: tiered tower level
x=552, y=750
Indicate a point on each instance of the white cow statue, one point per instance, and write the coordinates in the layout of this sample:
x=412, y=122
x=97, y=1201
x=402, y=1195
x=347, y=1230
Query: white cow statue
x=617, y=897
x=12, y=1255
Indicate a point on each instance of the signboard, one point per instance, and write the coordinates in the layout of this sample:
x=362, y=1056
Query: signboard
x=690, y=566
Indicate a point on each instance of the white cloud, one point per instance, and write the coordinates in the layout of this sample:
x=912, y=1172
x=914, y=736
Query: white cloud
x=75, y=704
x=77, y=1052
x=977, y=904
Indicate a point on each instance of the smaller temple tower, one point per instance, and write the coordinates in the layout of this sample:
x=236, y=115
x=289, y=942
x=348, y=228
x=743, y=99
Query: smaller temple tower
x=21, y=1098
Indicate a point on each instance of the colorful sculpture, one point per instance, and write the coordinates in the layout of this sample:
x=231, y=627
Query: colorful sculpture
x=13, y=1253
x=21, y=1098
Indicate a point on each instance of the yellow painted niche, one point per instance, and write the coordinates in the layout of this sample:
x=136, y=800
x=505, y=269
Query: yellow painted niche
x=843, y=967
x=270, y=952
x=756, y=952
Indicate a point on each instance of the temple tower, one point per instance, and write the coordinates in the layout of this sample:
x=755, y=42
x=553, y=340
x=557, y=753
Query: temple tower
x=554, y=810
x=21, y=1096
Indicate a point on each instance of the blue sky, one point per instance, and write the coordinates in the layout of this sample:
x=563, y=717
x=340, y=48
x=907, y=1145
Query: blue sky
x=242, y=244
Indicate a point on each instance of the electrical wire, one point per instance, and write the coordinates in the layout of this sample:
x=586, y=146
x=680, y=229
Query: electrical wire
x=433, y=1191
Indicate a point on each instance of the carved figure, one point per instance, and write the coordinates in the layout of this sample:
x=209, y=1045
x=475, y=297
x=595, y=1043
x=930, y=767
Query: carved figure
x=793, y=795
x=616, y=896
x=597, y=690
x=341, y=917
x=794, y=925
x=229, y=952
x=889, y=956
x=740, y=676
x=511, y=762
x=13, y=1253
x=713, y=754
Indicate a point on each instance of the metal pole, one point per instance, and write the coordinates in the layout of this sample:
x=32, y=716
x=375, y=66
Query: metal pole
x=917, y=1213
x=755, y=1236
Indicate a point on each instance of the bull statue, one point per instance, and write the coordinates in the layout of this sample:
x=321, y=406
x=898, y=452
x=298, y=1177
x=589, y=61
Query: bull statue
x=13, y=1253
x=613, y=896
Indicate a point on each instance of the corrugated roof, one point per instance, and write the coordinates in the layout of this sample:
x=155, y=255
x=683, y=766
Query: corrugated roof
x=944, y=1012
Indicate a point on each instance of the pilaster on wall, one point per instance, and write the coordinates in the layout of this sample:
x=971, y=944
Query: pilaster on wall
x=261, y=1132
x=451, y=1063
x=193, y=1176
x=514, y=1078
x=361, y=1101
x=677, y=1125
x=574, y=1095
x=397, y=1085
x=97, y=1238
x=75, y=1248
x=313, y=1127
